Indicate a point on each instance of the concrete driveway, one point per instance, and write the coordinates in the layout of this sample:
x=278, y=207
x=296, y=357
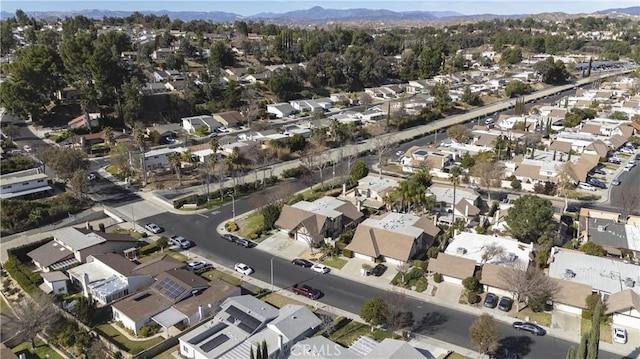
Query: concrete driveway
x=281, y=245
x=567, y=322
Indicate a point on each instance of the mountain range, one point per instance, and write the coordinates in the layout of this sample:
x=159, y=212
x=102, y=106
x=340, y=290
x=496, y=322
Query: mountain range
x=315, y=14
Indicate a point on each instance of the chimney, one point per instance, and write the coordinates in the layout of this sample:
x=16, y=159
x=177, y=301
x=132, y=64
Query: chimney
x=344, y=189
x=85, y=284
x=280, y=344
x=466, y=211
x=359, y=205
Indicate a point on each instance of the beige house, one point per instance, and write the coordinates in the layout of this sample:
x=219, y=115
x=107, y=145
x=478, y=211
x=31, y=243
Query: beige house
x=454, y=269
x=371, y=191
x=395, y=237
x=324, y=218
x=625, y=308
x=229, y=119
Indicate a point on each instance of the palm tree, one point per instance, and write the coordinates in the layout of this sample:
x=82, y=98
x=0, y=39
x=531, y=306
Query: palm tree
x=454, y=177
x=175, y=163
x=142, y=145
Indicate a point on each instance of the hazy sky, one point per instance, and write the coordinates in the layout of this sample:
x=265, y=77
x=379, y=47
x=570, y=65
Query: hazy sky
x=251, y=7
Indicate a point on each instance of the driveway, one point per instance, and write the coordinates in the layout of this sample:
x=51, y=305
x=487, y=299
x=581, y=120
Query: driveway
x=567, y=322
x=281, y=245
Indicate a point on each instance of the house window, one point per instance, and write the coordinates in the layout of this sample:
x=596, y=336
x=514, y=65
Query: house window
x=25, y=184
x=40, y=181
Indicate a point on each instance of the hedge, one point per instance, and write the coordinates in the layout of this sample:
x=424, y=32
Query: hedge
x=148, y=249
x=27, y=279
x=347, y=253
x=437, y=277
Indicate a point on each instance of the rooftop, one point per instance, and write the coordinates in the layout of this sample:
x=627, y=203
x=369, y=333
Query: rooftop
x=473, y=246
x=325, y=206
x=376, y=183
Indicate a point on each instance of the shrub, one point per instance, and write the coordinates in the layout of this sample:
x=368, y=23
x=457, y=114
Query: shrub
x=472, y=297
x=149, y=248
x=437, y=277
x=231, y=226
x=421, y=284
x=347, y=253
x=25, y=278
x=294, y=172
x=481, y=230
x=470, y=284
x=147, y=331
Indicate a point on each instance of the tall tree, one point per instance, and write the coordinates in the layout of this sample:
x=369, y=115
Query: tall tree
x=489, y=172
x=175, y=163
x=66, y=161
x=484, y=334
x=31, y=316
x=565, y=179
x=530, y=217
x=374, y=311
x=528, y=284
x=132, y=106
x=454, y=177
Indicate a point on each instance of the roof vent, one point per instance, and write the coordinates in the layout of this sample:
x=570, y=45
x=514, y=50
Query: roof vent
x=602, y=228
x=568, y=274
x=461, y=251
x=511, y=257
x=629, y=282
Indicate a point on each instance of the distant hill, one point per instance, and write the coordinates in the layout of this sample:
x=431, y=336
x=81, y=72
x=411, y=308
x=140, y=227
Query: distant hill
x=320, y=14
x=634, y=10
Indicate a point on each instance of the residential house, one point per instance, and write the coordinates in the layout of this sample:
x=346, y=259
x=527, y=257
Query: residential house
x=54, y=282
x=371, y=115
x=175, y=86
x=230, y=119
x=245, y=321
x=370, y=191
x=417, y=86
x=176, y=298
x=24, y=183
x=191, y=124
x=110, y=276
x=292, y=130
x=571, y=296
x=466, y=206
x=73, y=245
x=624, y=306
x=281, y=110
x=161, y=53
x=151, y=88
x=98, y=138
x=166, y=130
x=312, y=222
x=85, y=120
x=453, y=269
x=609, y=230
x=159, y=158
x=417, y=158
x=69, y=95
x=306, y=106
x=474, y=246
x=395, y=237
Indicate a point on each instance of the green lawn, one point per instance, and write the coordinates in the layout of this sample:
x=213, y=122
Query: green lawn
x=346, y=335
x=541, y=318
x=132, y=347
x=606, y=334
x=250, y=224
x=178, y=256
x=334, y=262
x=41, y=351
x=216, y=274
x=279, y=301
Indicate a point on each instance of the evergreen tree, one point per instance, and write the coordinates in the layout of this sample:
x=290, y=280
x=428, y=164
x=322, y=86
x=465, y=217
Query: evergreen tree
x=582, y=349
x=265, y=352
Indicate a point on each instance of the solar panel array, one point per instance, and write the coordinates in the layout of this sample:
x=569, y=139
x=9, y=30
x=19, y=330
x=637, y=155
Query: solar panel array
x=169, y=288
x=214, y=343
x=207, y=333
x=247, y=323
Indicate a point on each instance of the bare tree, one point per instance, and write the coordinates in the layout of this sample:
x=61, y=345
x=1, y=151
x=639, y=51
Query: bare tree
x=316, y=158
x=254, y=155
x=398, y=316
x=492, y=251
x=382, y=142
x=489, y=172
x=527, y=284
x=31, y=317
x=565, y=179
x=459, y=133
x=484, y=334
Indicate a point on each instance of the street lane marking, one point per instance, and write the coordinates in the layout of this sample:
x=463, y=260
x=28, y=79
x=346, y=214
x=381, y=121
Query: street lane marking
x=203, y=215
x=215, y=212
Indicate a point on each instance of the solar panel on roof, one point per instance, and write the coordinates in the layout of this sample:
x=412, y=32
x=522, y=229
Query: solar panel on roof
x=207, y=333
x=169, y=288
x=247, y=322
x=214, y=343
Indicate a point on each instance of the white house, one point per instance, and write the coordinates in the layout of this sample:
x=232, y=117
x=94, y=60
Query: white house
x=23, y=183
x=474, y=246
x=54, y=282
x=281, y=110
x=191, y=124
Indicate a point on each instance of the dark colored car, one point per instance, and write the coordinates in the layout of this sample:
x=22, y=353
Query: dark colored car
x=491, y=300
x=302, y=263
x=378, y=270
x=529, y=327
x=229, y=237
x=242, y=242
x=505, y=304
x=306, y=291
x=597, y=183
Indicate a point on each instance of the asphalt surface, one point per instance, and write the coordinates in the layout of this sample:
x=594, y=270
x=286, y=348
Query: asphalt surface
x=439, y=322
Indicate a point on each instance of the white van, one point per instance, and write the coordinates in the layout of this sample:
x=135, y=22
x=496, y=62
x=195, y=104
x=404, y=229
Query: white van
x=586, y=186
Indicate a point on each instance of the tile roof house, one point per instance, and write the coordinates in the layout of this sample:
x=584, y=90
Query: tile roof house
x=312, y=222
x=245, y=321
x=230, y=119
x=73, y=245
x=109, y=277
x=370, y=191
x=85, y=120
x=454, y=269
x=395, y=237
x=176, y=297
x=416, y=158
x=571, y=296
x=625, y=307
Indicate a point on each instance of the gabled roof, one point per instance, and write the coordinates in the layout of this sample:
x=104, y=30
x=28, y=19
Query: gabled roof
x=157, y=266
x=54, y=276
x=374, y=242
x=50, y=253
x=231, y=118
x=561, y=146
x=393, y=348
x=492, y=276
x=293, y=321
x=571, y=293
x=116, y=262
x=465, y=205
x=452, y=266
x=76, y=239
x=623, y=301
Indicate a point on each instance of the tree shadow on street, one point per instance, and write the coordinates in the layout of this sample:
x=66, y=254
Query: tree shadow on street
x=518, y=344
x=430, y=323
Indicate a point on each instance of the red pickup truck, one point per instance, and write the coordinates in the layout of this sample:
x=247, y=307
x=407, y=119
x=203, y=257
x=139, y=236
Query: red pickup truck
x=306, y=291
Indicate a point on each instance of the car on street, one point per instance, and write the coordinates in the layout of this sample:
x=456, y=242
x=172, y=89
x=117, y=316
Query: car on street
x=638, y=157
x=302, y=263
x=229, y=237
x=92, y=176
x=320, y=268
x=529, y=327
x=243, y=268
x=615, y=182
x=180, y=241
x=474, y=187
x=153, y=228
x=505, y=304
x=26, y=148
x=306, y=290
x=198, y=266
x=491, y=300
x=629, y=166
x=399, y=153
x=632, y=161
x=378, y=270
x=619, y=335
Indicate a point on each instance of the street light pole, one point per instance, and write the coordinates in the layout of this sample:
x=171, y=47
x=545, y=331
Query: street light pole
x=272, y=258
x=233, y=206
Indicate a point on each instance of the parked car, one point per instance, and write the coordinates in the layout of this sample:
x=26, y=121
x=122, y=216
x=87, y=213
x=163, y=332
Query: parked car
x=597, y=183
x=615, y=160
x=615, y=182
x=399, y=153
x=586, y=186
x=320, y=268
x=153, y=228
x=92, y=176
x=242, y=242
x=306, y=291
x=529, y=327
x=599, y=171
x=619, y=335
x=198, y=266
x=229, y=237
x=491, y=300
x=378, y=270
x=302, y=263
x=628, y=167
x=180, y=241
x=243, y=268
x=627, y=150
x=26, y=148
x=505, y=304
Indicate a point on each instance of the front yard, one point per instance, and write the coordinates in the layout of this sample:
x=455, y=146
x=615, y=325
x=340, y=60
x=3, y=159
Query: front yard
x=541, y=318
x=334, y=262
x=130, y=346
x=279, y=300
x=216, y=274
x=41, y=351
x=177, y=256
x=346, y=335
x=606, y=334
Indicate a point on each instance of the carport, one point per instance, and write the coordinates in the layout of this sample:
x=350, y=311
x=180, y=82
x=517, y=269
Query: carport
x=168, y=319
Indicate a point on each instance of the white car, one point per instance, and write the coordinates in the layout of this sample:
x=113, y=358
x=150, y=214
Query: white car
x=179, y=241
x=586, y=186
x=629, y=166
x=619, y=335
x=26, y=148
x=627, y=150
x=320, y=268
x=243, y=268
x=153, y=228
x=198, y=265
x=399, y=153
